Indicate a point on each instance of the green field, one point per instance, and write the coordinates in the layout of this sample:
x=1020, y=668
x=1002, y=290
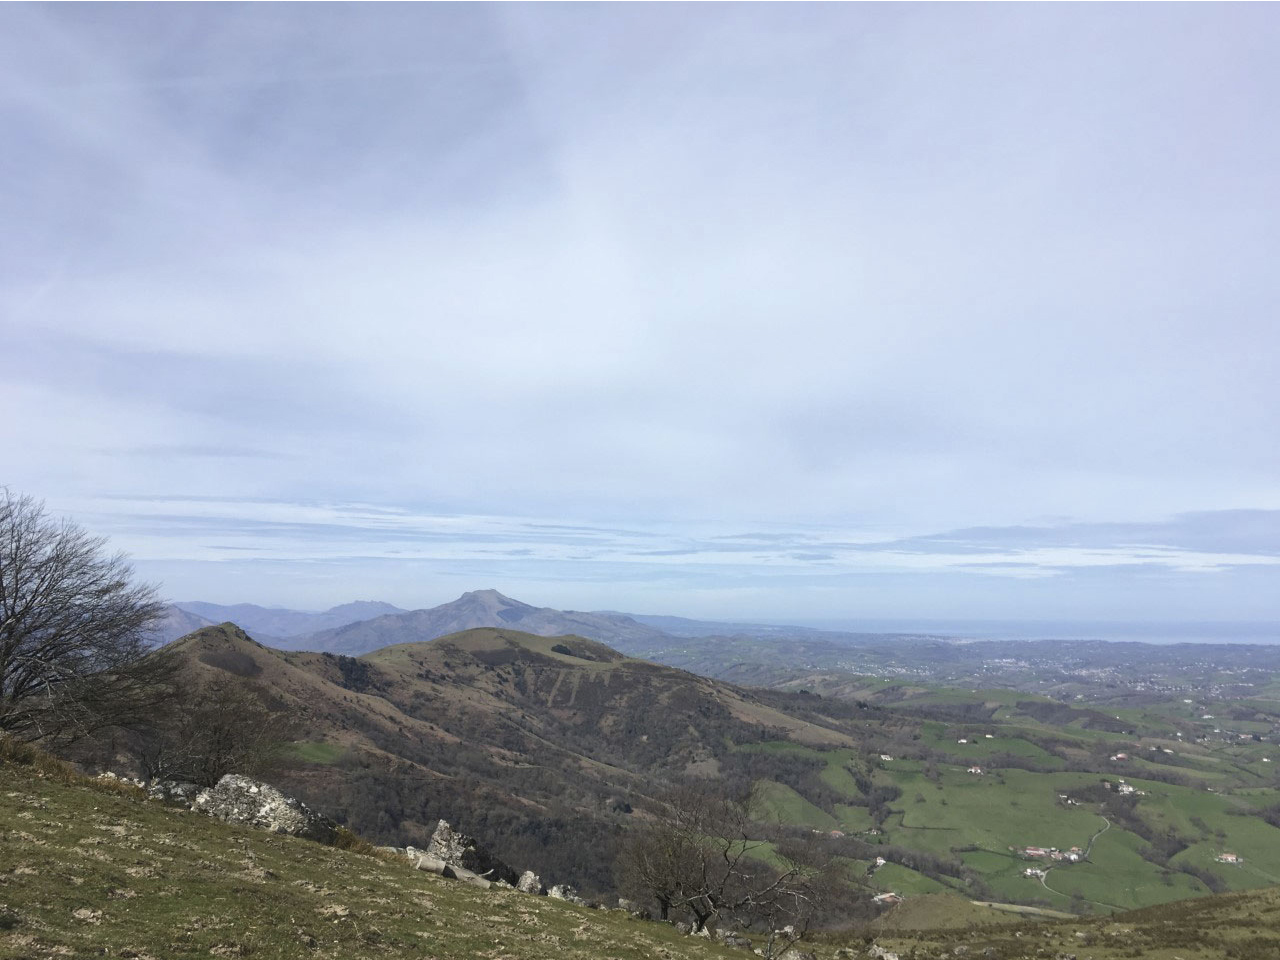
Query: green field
x=984, y=821
x=313, y=752
x=780, y=803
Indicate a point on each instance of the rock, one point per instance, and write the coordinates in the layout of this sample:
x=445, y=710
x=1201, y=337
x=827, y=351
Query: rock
x=238, y=799
x=174, y=791
x=530, y=882
x=880, y=953
x=794, y=953
x=685, y=928
x=731, y=939
x=431, y=865
x=466, y=876
x=110, y=777
x=459, y=850
x=562, y=891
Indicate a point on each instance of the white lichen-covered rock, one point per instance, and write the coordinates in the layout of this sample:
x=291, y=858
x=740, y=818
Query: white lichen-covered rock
x=238, y=799
x=174, y=791
x=562, y=891
x=530, y=882
x=459, y=850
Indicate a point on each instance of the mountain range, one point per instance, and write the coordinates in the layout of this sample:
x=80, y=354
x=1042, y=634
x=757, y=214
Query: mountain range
x=478, y=608
x=546, y=746
x=277, y=623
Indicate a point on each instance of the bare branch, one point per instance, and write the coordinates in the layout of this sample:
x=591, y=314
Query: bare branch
x=73, y=629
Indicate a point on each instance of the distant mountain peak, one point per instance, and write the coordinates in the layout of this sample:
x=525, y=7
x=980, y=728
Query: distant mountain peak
x=475, y=608
x=491, y=596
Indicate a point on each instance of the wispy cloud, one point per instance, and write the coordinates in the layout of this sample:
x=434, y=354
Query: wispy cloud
x=690, y=296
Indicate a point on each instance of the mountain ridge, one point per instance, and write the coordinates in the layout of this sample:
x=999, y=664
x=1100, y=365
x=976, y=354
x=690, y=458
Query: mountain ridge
x=280, y=623
x=474, y=609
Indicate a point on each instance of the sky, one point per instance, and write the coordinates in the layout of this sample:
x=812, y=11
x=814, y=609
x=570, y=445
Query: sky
x=737, y=311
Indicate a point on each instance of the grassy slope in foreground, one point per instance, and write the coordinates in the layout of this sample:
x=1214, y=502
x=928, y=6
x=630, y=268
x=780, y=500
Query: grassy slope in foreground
x=83, y=871
x=93, y=871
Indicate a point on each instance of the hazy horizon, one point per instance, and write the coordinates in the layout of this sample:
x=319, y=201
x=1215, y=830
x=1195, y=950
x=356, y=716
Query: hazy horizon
x=743, y=312
x=1145, y=631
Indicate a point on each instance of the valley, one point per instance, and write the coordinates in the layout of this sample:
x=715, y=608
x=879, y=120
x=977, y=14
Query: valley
x=529, y=740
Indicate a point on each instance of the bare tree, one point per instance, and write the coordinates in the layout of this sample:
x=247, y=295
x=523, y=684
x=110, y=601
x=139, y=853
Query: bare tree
x=73, y=630
x=218, y=726
x=704, y=857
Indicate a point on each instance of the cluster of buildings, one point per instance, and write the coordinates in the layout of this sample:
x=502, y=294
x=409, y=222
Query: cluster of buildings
x=1052, y=853
x=1124, y=789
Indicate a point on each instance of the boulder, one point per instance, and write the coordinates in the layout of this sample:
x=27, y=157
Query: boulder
x=731, y=938
x=530, y=882
x=562, y=891
x=459, y=850
x=238, y=799
x=174, y=791
x=431, y=865
x=466, y=876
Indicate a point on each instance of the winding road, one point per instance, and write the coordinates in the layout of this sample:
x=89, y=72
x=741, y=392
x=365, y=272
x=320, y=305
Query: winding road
x=1087, y=850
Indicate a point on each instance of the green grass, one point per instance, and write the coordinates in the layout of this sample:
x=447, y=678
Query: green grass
x=1117, y=876
x=900, y=879
x=782, y=804
x=87, y=872
x=938, y=911
x=325, y=754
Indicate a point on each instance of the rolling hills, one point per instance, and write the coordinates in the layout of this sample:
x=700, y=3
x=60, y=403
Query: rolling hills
x=526, y=741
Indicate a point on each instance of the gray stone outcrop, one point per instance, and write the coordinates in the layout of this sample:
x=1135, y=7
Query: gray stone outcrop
x=562, y=891
x=238, y=799
x=731, y=938
x=430, y=865
x=530, y=882
x=173, y=791
x=458, y=850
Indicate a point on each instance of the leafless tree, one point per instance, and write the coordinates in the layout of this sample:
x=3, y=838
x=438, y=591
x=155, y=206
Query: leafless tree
x=217, y=726
x=73, y=630
x=704, y=857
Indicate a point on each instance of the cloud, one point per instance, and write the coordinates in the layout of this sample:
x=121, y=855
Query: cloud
x=872, y=288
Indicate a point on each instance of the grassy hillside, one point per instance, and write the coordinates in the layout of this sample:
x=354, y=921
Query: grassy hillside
x=93, y=870
x=85, y=872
